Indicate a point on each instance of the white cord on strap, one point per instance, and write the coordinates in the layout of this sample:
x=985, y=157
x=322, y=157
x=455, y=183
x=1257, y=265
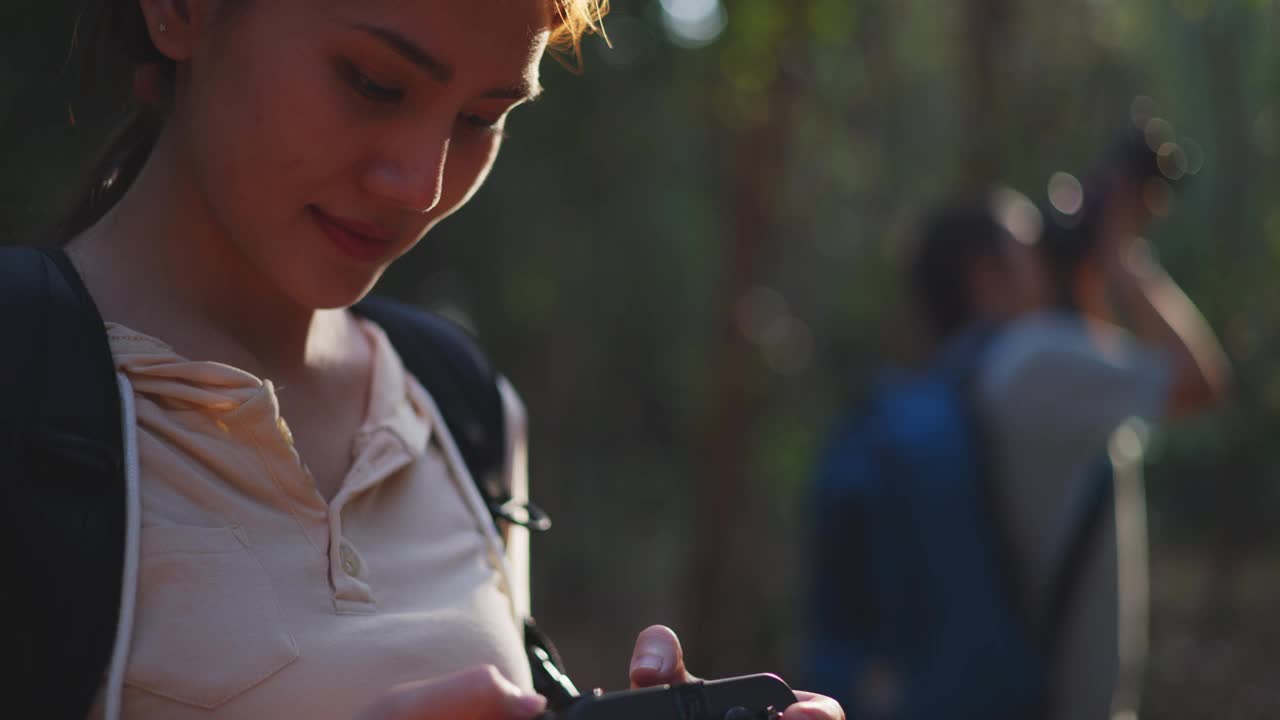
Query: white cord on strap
x=132, y=534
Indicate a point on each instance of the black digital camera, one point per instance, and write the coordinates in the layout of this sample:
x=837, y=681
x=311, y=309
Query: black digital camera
x=749, y=697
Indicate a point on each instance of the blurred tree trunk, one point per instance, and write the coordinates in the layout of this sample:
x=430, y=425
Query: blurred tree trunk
x=987, y=27
x=723, y=538
x=1238, y=525
x=1235, y=158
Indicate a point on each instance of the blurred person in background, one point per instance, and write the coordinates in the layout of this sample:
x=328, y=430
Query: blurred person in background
x=1064, y=393
x=985, y=518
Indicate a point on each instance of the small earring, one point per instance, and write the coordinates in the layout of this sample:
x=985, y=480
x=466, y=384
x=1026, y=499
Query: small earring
x=162, y=27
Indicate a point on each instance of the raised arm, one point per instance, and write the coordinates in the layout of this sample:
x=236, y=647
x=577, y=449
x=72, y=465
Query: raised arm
x=1161, y=315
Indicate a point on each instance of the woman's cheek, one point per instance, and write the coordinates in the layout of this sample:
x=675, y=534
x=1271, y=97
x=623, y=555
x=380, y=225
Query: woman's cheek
x=466, y=169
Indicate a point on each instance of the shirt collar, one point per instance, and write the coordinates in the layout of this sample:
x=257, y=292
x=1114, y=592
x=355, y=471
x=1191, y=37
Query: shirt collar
x=394, y=407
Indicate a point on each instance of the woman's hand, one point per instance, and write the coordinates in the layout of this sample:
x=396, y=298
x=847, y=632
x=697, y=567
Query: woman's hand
x=658, y=660
x=480, y=693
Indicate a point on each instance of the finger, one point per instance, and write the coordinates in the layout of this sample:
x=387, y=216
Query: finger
x=811, y=706
x=480, y=693
x=658, y=659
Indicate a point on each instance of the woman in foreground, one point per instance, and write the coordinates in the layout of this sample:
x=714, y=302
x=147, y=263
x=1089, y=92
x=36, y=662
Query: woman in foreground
x=310, y=545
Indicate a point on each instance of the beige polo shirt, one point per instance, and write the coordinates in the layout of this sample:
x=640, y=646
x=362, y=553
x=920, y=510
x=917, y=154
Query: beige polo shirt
x=259, y=599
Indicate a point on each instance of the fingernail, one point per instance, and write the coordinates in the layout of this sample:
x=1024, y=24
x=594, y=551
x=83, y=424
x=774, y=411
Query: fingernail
x=648, y=662
x=531, y=704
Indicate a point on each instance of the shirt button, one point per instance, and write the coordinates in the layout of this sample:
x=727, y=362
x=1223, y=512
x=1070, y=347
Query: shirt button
x=350, y=561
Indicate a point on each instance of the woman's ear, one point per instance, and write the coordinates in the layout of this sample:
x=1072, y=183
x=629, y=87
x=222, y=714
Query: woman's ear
x=173, y=25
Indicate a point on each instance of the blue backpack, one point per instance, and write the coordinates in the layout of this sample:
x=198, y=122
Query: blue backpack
x=915, y=604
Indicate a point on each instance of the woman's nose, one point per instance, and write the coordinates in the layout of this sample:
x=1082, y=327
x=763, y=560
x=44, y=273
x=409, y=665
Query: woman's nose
x=411, y=174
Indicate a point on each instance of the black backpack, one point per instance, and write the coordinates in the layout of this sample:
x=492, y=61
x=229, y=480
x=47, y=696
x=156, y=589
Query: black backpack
x=61, y=448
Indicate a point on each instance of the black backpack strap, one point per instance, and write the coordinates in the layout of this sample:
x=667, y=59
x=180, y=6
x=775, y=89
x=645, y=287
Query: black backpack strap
x=1046, y=630
x=1085, y=532
x=60, y=448
x=449, y=364
x=549, y=678
x=973, y=350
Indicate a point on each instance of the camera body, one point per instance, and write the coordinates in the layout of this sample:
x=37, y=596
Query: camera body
x=749, y=697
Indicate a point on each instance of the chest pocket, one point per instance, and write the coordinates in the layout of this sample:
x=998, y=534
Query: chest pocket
x=208, y=625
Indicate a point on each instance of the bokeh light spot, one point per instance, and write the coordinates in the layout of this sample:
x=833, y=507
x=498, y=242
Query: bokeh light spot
x=1158, y=131
x=1194, y=154
x=1018, y=214
x=1142, y=110
x=1066, y=195
x=1172, y=161
x=762, y=313
x=789, y=350
x=694, y=23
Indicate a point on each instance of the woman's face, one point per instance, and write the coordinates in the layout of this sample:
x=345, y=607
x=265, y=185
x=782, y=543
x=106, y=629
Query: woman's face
x=325, y=137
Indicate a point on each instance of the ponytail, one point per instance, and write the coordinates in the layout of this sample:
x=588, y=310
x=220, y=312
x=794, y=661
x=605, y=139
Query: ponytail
x=120, y=32
x=118, y=166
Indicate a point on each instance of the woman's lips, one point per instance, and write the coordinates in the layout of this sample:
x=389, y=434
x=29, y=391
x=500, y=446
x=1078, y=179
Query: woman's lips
x=360, y=241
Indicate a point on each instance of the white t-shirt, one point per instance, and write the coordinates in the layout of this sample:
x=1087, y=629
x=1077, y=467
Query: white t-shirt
x=1056, y=394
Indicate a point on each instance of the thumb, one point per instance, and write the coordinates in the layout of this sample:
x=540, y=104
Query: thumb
x=658, y=659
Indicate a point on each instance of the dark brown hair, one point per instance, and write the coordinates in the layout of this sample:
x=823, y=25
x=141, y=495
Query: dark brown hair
x=117, y=31
x=951, y=242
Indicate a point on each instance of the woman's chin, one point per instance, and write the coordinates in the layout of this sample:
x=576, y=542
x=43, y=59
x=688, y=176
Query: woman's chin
x=330, y=293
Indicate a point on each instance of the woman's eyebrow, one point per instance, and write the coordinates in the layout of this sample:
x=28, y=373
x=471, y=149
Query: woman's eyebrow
x=526, y=91
x=442, y=71
x=409, y=50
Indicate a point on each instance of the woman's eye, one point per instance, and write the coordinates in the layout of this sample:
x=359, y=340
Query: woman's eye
x=362, y=84
x=493, y=125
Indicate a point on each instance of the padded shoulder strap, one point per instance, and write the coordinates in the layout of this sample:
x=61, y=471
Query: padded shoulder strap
x=1086, y=533
x=60, y=449
x=449, y=364
x=452, y=368
x=1098, y=496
